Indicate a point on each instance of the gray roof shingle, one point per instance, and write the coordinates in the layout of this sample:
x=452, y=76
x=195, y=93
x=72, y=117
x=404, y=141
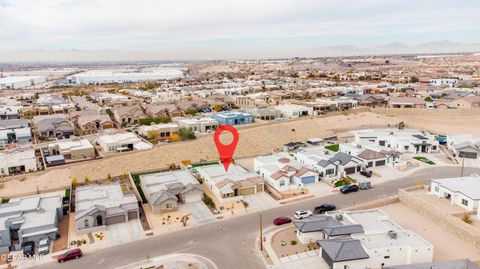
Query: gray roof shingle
x=343, y=250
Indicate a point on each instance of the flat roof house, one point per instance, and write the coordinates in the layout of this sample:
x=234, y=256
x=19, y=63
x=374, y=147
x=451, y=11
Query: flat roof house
x=72, y=149
x=29, y=219
x=283, y=173
x=401, y=140
x=164, y=190
x=264, y=113
x=97, y=206
x=452, y=264
x=8, y=112
x=231, y=185
x=121, y=142
x=198, y=124
x=233, y=118
x=17, y=162
x=159, y=132
x=462, y=191
x=294, y=111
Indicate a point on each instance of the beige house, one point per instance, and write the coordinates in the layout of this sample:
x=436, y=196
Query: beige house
x=406, y=102
x=466, y=102
x=159, y=132
x=163, y=110
x=72, y=149
x=128, y=115
x=165, y=190
x=91, y=124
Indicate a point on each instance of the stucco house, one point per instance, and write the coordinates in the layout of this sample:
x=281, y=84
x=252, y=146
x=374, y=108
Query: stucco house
x=97, y=206
x=29, y=219
x=165, y=190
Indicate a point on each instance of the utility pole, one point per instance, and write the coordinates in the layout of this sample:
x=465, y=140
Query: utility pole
x=261, y=233
x=463, y=164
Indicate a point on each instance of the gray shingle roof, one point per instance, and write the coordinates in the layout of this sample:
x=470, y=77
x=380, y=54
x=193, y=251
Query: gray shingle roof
x=343, y=158
x=161, y=196
x=343, y=250
x=315, y=223
x=343, y=229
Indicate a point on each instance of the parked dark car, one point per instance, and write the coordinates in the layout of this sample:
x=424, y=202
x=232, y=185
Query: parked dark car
x=349, y=188
x=28, y=248
x=70, y=255
x=324, y=208
x=282, y=220
x=366, y=173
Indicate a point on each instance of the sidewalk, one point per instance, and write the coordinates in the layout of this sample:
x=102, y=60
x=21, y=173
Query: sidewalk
x=174, y=261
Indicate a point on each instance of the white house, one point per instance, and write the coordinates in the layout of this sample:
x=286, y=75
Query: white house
x=294, y=111
x=283, y=173
x=18, y=162
x=199, y=124
x=462, y=191
x=121, y=142
x=401, y=140
x=363, y=239
x=329, y=164
x=371, y=154
x=464, y=145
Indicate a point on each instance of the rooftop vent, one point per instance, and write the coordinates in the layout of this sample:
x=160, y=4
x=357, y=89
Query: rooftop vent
x=339, y=217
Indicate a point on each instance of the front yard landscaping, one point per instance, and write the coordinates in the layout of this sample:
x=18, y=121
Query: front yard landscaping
x=424, y=159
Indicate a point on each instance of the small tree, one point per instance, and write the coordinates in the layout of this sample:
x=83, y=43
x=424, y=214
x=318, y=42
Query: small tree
x=428, y=99
x=217, y=107
x=191, y=111
x=186, y=134
x=86, y=180
x=74, y=181
x=109, y=177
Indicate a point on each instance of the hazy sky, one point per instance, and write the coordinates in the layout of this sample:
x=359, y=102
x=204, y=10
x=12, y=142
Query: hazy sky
x=222, y=28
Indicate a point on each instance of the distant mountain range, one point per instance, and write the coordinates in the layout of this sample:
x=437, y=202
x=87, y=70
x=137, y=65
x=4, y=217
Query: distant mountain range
x=75, y=55
x=444, y=46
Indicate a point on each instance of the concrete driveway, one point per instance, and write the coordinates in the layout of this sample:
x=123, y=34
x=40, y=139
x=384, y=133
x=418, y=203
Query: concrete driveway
x=260, y=201
x=199, y=211
x=124, y=232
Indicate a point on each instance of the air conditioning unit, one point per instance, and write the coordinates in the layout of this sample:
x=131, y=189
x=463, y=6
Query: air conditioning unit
x=392, y=234
x=339, y=217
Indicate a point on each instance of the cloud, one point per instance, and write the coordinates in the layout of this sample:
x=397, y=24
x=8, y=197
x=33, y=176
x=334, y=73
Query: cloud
x=183, y=26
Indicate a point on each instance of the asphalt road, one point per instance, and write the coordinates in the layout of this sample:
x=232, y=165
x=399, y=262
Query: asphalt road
x=230, y=243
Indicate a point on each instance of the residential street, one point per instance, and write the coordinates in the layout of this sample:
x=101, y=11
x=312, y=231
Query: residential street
x=230, y=243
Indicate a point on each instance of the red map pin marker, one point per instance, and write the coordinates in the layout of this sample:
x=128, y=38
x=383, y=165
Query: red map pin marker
x=225, y=151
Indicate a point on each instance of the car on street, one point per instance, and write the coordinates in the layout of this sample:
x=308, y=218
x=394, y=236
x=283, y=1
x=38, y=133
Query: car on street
x=70, y=255
x=366, y=173
x=301, y=214
x=43, y=246
x=282, y=220
x=28, y=248
x=324, y=208
x=349, y=188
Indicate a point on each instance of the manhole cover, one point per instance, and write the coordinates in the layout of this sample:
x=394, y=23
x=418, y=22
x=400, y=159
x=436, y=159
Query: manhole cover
x=218, y=227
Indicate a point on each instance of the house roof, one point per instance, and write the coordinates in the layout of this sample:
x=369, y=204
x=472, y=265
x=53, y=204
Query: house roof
x=315, y=224
x=453, y=264
x=343, y=250
x=369, y=154
x=343, y=229
x=161, y=196
x=341, y=157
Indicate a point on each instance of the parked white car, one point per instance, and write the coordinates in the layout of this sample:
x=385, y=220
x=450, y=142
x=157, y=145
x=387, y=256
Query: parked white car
x=301, y=214
x=43, y=246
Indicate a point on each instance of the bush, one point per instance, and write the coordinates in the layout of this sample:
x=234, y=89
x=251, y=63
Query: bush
x=191, y=111
x=467, y=218
x=186, y=134
x=293, y=242
x=208, y=201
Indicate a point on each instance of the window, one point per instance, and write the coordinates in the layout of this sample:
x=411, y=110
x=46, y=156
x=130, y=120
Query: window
x=168, y=206
x=464, y=202
x=282, y=183
x=386, y=257
x=437, y=188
